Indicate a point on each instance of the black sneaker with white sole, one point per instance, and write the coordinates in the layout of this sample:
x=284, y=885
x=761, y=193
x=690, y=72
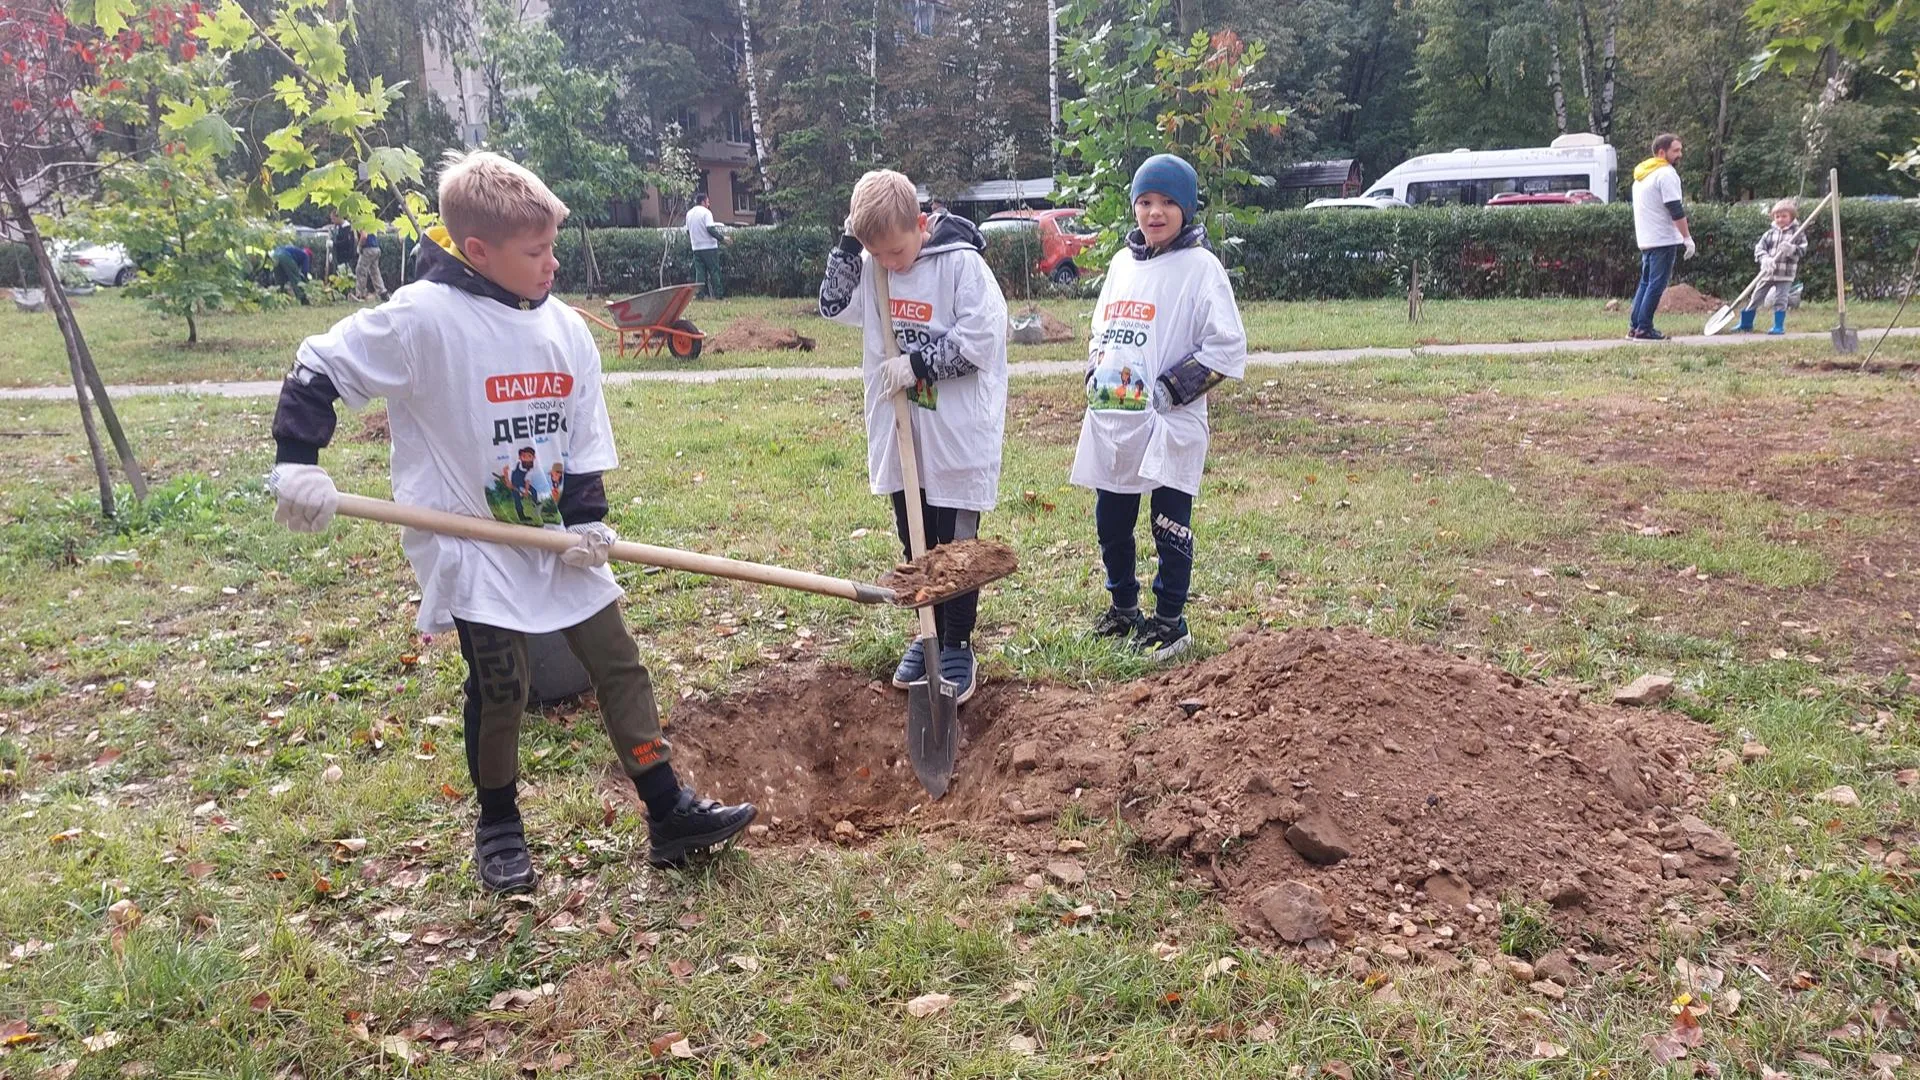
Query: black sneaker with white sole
x=1115, y=622
x=695, y=824
x=500, y=853
x=1161, y=640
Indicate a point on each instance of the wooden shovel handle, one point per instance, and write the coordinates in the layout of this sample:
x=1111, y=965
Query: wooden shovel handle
x=903, y=434
x=501, y=532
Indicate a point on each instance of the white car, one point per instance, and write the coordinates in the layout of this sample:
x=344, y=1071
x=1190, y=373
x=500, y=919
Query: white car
x=1360, y=202
x=105, y=264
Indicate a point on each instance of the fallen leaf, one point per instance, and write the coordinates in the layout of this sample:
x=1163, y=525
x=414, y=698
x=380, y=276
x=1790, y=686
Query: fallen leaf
x=106, y=1040
x=1222, y=966
x=1024, y=1045
x=396, y=1046
x=1098, y=1059
x=691, y=920
x=1698, y=978
x=681, y=1049
x=1907, y=777
x=1665, y=1049
x=680, y=969
x=352, y=845
x=745, y=963
x=1337, y=1068
x=928, y=1004
x=106, y=758
x=1263, y=1032
x=1727, y=1001
x=1806, y=1057
x=331, y=774
x=662, y=1044
x=758, y=1039
x=260, y=1002
x=17, y=1033
x=1548, y=1051
x=448, y=793
x=1019, y=990
x=1165, y=951
x=124, y=914
x=1839, y=795
x=198, y=870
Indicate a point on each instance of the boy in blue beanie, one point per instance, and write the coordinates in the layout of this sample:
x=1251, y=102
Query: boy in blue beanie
x=1165, y=332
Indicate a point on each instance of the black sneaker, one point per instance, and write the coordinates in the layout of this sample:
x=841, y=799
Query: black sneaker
x=1160, y=640
x=695, y=824
x=913, y=666
x=958, y=666
x=1651, y=334
x=1115, y=622
x=500, y=851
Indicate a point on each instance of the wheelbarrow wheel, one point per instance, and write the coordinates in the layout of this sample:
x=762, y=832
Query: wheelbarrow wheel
x=683, y=344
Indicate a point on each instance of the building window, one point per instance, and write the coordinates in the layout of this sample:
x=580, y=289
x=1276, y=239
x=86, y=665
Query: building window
x=731, y=129
x=924, y=15
x=689, y=122
x=742, y=195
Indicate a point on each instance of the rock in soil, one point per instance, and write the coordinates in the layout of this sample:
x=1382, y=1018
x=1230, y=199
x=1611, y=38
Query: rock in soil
x=1296, y=911
x=1645, y=690
x=1586, y=798
x=750, y=334
x=1319, y=840
x=949, y=570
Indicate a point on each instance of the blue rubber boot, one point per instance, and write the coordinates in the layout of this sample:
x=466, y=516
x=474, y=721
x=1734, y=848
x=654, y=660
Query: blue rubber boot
x=1779, y=323
x=1746, y=322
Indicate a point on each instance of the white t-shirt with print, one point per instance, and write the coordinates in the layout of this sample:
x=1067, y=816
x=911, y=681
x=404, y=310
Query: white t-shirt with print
x=957, y=434
x=1152, y=315
x=489, y=407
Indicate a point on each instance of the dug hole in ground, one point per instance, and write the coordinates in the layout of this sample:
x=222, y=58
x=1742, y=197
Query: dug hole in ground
x=1332, y=786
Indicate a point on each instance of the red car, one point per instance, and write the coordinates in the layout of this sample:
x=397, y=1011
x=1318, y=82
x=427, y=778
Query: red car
x=1061, y=234
x=1545, y=198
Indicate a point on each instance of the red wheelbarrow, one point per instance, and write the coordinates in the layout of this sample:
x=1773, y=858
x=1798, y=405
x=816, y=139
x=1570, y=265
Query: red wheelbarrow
x=652, y=321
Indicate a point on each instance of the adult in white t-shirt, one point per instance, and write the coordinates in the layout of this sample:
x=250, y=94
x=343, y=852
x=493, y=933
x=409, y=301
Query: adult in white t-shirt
x=1660, y=227
x=703, y=234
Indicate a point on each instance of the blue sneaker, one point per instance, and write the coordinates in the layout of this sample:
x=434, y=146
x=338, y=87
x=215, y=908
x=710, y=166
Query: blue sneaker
x=958, y=666
x=913, y=666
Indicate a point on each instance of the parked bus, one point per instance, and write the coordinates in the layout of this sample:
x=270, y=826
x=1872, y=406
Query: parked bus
x=1580, y=162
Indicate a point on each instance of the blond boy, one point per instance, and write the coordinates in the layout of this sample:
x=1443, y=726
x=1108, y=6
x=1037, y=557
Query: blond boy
x=948, y=352
x=485, y=379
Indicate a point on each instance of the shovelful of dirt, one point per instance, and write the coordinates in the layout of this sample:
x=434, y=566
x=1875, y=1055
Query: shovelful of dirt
x=1331, y=784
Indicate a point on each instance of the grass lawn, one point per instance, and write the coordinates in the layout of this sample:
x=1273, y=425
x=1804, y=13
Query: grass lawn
x=197, y=709
x=133, y=345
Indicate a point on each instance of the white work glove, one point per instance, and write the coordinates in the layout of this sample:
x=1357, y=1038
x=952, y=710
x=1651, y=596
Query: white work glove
x=1688, y=241
x=1766, y=266
x=897, y=375
x=593, y=539
x=305, y=498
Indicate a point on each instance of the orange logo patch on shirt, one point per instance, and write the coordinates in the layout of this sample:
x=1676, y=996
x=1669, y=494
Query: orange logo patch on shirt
x=1138, y=310
x=533, y=384
x=913, y=310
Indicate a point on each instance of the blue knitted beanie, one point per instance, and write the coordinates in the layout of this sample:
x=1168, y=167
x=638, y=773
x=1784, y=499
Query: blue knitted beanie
x=1166, y=174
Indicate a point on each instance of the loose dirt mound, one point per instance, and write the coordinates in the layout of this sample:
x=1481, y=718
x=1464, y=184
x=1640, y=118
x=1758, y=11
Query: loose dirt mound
x=949, y=570
x=1331, y=784
x=749, y=334
x=1687, y=300
x=373, y=427
x=1035, y=327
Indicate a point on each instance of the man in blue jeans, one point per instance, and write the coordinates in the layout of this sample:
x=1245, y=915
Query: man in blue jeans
x=1660, y=226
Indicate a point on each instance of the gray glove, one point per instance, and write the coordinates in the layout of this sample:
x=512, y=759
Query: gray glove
x=594, y=540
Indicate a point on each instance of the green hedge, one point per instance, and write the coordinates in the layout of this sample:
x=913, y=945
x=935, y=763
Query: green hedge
x=1477, y=252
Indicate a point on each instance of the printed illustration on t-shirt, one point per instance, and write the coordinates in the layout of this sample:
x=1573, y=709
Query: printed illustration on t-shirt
x=527, y=415
x=1116, y=386
x=912, y=330
x=1119, y=379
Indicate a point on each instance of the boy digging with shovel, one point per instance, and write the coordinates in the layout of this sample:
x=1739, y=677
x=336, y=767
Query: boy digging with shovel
x=948, y=349
x=483, y=375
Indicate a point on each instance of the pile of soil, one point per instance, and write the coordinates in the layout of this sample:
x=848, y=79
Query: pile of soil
x=373, y=427
x=1687, y=300
x=1035, y=327
x=1332, y=785
x=748, y=334
x=949, y=570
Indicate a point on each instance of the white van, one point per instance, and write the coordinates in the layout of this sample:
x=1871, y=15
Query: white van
x=1579, y=162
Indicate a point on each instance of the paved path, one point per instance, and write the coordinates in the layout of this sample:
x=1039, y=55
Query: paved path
x=1026, y=368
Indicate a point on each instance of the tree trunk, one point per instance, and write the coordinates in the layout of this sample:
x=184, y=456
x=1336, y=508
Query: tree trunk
x=595, y=287
x=1586, y=63
x=1717, y=154
x=1555, y=83
x=873, y=85
x=1609, y=68
x=753, y=101
x=69, y=330
x=1053, y=84
x=193, y=329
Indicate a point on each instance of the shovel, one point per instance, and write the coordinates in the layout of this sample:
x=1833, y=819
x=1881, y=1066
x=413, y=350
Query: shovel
x=555, y=540
x=1844, y=340
x=933, y=711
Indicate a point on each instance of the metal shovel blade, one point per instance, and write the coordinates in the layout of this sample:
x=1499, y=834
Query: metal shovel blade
x=1845, y=339
x=933, y=724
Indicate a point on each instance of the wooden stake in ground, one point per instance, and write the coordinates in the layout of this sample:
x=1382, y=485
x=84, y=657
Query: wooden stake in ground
x=1413, y=293
x=1844, y=339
